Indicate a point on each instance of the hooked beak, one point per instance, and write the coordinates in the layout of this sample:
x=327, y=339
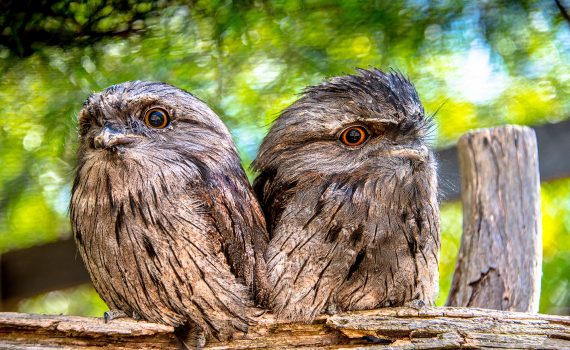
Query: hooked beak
x=110, y=137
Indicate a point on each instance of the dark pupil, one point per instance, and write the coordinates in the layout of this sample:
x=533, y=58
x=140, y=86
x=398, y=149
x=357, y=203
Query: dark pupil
x=156, y=119
x=353, y=136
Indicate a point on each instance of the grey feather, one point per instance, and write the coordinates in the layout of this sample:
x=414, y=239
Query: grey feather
x=351, y=227
x=165, y=219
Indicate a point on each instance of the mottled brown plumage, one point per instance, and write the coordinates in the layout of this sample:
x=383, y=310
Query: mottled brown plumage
x=165, y=219
x=352, y=227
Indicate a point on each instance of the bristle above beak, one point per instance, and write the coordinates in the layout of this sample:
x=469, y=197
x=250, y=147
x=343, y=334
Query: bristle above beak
x=109, y=137
x=420, y=154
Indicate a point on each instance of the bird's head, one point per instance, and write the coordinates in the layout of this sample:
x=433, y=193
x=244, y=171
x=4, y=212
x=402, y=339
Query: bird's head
x=152, y=123
x=368, y=123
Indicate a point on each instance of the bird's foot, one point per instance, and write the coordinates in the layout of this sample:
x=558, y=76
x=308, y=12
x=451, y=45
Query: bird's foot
x=416, y=304
x=258, y=312
x=332, y=309
x=113, y=315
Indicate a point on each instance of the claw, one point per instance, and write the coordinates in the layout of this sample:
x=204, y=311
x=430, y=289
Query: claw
x=260, y=312
x=332, y=309
x=416, y=304
x=136, y=316
x=113, y=314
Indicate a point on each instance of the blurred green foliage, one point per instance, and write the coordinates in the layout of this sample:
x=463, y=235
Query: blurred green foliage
x=478, y=63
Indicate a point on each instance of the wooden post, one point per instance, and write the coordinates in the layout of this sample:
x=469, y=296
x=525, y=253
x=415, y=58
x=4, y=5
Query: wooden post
x=500, y=260
x=390, y=328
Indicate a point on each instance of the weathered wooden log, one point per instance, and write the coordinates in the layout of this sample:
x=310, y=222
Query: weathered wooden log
x=394, y=328
x=500, y=259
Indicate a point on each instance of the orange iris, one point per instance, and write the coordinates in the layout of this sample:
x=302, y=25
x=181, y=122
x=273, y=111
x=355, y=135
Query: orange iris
x=354, y=136
x=156, y=118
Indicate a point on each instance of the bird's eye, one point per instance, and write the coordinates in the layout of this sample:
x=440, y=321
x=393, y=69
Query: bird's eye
x=354, y=136
x=156, y=118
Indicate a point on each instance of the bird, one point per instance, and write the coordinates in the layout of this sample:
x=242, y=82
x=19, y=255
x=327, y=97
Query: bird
x=163, y=214
x=347, y=181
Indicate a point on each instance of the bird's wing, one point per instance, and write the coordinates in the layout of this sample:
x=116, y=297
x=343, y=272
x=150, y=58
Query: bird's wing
x=273, y=196
x=241, y=226
x=312, y=249
x=188, y=262
x=329, y=237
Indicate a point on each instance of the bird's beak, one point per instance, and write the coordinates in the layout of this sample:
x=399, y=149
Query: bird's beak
x=419, y=154
x=110, y=137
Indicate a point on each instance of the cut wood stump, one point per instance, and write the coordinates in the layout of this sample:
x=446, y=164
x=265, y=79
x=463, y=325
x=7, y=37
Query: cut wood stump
x=389, y=328
x=500, y=259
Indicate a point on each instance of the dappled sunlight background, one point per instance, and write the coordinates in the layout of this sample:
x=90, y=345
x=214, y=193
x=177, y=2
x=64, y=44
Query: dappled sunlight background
x=475, y=63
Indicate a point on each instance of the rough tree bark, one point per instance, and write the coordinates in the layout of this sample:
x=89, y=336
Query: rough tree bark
x=500, y=260
x=389, y=328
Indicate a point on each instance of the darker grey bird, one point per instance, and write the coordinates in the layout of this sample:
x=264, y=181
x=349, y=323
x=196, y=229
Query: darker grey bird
x=163, y=214
x=349, y=189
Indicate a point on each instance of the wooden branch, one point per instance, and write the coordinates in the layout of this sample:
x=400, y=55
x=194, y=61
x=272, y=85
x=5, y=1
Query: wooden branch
x=500, y=260
x=394, y=328
x=563, y=11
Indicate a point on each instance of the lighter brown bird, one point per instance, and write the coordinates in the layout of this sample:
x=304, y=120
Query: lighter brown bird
x=163, y=214
x=348, y=185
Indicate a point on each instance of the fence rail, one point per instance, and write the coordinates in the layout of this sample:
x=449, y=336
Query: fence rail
x=553, y=154
x=390, y=328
